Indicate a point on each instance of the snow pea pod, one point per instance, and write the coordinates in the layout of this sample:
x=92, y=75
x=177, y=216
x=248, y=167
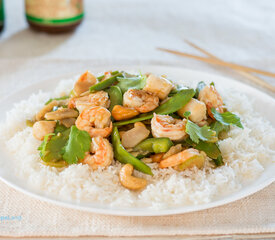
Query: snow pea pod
x=106, y=83
x=115, y=95
x=102, y=76
x=173, y=104
x=124, y=157
x=154, y=145
x=211, y=149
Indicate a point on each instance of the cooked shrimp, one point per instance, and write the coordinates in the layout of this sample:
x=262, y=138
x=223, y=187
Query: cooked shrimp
x=42, y=128
x=158, y=85
x=185, y=159
x=166, y=126
x=141, y=100
x=212, y=99
x=84, y=82
x=197, y=110
x=99, y=98
x=96, y=121
x=102, y=153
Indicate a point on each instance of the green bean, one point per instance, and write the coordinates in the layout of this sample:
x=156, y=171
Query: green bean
x=176, y=102
x=125, y=157
x=173, y=104
x=154, y=145
x=115, y=95
x=58, y=98
x=102, y=76
x=106, y=83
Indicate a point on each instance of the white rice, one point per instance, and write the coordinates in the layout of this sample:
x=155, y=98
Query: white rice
x=246, y=154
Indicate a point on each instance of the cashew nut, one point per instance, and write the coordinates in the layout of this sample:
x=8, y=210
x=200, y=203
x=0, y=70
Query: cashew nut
x=42, y=128
x=40, y=115
x=61, y=113
x=67, y=122
x=129, y=181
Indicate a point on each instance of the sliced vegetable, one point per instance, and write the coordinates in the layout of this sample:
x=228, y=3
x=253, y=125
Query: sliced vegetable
x=154, y=145
x=197, y=133
x=51, y=147
x=170, y=106
x=196, y=160
x=137, y=82
x=106, y=83
x=184, y=159
x=124, y=157
x=227, y=118
x=115, y=95
x=135, y=135
x=78, y=144
x=57, y=99
x=200, y=86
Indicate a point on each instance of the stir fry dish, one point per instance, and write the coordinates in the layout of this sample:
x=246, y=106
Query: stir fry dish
x=136, y=120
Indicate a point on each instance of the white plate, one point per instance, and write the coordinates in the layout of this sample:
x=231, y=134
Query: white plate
x=264, y=104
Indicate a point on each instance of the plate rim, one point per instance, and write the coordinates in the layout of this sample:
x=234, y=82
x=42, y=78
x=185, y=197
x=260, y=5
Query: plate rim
x=141, y=211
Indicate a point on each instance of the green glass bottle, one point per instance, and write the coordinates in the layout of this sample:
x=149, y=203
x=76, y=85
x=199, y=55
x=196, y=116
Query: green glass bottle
x=54, y=16
x=2, y=15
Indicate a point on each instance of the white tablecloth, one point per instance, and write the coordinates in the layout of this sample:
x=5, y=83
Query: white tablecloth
x=128, y=32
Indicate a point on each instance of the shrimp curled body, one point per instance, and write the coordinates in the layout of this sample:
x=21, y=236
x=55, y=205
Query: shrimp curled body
x=96, y=121
x=212, y=99
x=166, y=126
x=99, y=98
x=141, y=100
x=102, y=153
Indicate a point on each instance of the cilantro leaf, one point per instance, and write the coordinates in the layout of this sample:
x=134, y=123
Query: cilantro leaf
x=79, y=142
x=137, y=82
x=227, y=118
x=211, y=149
x=51, y=148
x=187, y=114
x=59, y=128
x=219, y=127
x=197, y=133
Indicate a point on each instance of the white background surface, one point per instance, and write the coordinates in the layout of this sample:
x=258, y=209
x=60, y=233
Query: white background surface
x=128, y=32
x=240, y=31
